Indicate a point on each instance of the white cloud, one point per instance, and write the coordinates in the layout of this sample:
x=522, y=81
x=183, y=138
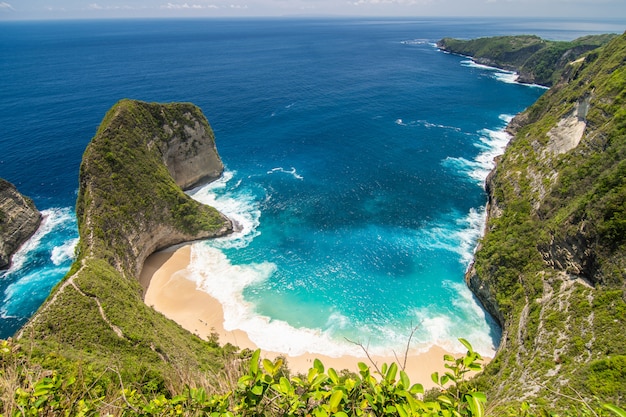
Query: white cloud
x=375, y=2
x=96, y=6
x=5, y=6
x=187, y=6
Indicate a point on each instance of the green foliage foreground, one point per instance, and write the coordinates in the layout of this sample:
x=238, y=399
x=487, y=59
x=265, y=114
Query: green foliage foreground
x=263, y=387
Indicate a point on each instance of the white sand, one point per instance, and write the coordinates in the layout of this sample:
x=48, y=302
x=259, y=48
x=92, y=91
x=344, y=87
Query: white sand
x=164, y=276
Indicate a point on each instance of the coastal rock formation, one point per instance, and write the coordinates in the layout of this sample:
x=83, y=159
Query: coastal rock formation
x=536, y=60
x=129, y=205
x=551, y=265
x=19, y=219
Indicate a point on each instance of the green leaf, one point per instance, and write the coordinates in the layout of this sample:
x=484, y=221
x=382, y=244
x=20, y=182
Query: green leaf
x=317, y=364
x=257, y=390
x=476, y=402
x=318, y=381
x=615, y=409
x=391, y=373
x=363, y=367
x=402, y=412
x=340, y=414
x=335, y=400
x=404, y=379
x=417, y=389
x=254, y=362
x=448, y=358
x=445, y=399
x=333, y=375
x=268, y=366
x=285, y=385
x=467, y=344
x=435, y=377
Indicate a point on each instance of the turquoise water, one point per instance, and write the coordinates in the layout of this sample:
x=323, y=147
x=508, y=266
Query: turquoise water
x=355, y=151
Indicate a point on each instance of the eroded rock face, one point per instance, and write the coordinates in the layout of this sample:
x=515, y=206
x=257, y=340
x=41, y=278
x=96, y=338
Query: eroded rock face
x=191, y=156
x=19, y=219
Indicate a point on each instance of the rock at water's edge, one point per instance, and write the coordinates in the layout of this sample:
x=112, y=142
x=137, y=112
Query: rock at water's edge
x=19, y=219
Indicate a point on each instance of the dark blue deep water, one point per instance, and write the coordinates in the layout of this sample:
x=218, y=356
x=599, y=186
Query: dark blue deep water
x=355, y=150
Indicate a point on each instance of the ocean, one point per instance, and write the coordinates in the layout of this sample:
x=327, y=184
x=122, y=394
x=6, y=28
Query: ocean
x=355, y=154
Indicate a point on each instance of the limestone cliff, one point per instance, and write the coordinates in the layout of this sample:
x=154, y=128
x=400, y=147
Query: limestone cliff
x=552, y=264
x=19, y=219
x=130, y=204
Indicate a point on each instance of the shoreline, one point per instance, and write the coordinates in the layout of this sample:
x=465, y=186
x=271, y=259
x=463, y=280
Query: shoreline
x=168, y=290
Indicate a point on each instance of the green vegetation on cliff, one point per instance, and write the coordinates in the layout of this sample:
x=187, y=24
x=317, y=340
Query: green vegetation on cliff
x=536, y=60
x=128, y=206
x=553, y=258
x=550, y=267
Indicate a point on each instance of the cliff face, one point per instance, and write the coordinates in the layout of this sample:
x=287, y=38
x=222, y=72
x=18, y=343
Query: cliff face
x=536, y=60
x=552, y=264
x=19, y=219
x=130, y=204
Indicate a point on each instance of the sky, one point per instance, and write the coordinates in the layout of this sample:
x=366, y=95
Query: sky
x=93, y=9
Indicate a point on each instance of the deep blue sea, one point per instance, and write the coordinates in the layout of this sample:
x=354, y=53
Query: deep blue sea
x=355, y=156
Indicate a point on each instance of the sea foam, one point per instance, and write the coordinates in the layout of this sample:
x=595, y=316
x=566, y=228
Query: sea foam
x=238, y=204
x=31, y=274
x=214, y=273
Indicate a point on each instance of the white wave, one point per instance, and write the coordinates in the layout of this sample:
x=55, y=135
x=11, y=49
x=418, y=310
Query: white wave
x=214, y=273
x=51, y=220
x=474, y=319
x=492, y=143
x=417, y=42
x=509, y=77
x=499, y=74
x=292, y=172
x=455, y=234
x=426, y=123
x=471, y=230
x=22, y=291
x=64, y=252
x=506, y=77
x=239, y=205
x=443, y=325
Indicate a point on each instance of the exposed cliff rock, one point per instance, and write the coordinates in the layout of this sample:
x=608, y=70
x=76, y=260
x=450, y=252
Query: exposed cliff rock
x=130, y=204
x=19, y=219
x=552, y=264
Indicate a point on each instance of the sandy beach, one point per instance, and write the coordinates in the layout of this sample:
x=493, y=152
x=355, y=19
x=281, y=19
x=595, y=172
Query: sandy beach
x=169, y=291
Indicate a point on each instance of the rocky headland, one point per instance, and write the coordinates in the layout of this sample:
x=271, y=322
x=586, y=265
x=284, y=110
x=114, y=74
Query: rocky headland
x=19, y=219
x=535, y=60
x=131, y=204
x=551, y=265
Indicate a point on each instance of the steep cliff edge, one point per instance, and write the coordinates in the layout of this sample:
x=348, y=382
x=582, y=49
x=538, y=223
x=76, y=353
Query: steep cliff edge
x=536, y=60
x=19, y=219
x=552, y=264
x=130, y=204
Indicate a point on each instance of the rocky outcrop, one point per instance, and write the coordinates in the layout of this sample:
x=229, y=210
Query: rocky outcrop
x=130, y=204
x=535, y=60
x=19, y=219
x=125, y=193
x=190, y=155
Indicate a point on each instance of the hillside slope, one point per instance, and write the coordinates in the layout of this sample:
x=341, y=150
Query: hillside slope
x=130, y=204
x=536, y=60
x=552, y=264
